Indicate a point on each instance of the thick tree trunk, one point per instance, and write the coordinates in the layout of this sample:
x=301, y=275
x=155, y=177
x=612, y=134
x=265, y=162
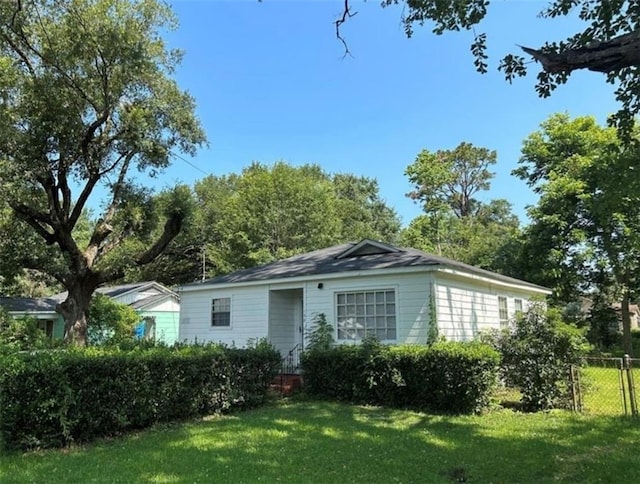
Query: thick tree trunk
x=627, y=341
x=74, y=310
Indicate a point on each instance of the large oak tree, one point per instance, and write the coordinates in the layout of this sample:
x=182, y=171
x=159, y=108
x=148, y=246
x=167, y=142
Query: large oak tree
x=87, y=102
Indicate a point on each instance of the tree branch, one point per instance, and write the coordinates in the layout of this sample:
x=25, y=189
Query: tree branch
x=35, y=219
x=617, y=53
x=91, y=130
x=171, y=230
x=82, y=199
x=94, y=177
x=21, y=54
x=28, y=261
x=63, y=185
x=117, y=188
x=103, y=228
x=346, y=14
x=113, y=243
x=50, y=187
x=53, y=63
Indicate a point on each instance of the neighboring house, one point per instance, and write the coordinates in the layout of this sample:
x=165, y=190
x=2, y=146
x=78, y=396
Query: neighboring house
x=400, y=295
x=43, y=309
x=634, y=315
x=158, y=306
x=586, y=305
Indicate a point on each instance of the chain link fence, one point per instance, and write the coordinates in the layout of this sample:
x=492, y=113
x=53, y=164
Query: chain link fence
x=600, y=387
x=607, y=386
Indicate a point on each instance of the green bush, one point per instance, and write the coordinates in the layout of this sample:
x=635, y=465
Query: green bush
x=19, y=334
x=253, y=370
x=320, y=336
x=110, y=322
x=446, y=377
x=537, y=352
x=54, y=398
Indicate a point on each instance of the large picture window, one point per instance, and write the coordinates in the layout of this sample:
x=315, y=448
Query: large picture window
x=221, y=312
x=503, y=311
x=366, y=313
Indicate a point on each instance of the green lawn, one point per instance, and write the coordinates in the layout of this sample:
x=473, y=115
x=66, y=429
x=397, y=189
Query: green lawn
x=326, y=442
x=603, y=391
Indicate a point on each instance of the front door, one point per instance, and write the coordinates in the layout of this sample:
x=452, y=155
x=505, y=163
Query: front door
x=286, y=331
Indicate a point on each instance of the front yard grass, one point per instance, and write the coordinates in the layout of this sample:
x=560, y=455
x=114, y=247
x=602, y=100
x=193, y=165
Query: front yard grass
x=606, y=390
x=309, y=441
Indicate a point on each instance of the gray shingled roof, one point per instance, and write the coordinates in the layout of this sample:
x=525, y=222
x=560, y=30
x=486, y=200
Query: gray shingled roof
x=27, y=304
x=114, y=291
x=149, y=301
x=326, y=261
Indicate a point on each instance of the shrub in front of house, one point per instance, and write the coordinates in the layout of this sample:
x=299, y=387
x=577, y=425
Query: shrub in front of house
x=538, y=351
x=252, y=371
x=18, y=334
x=55, y=398
x=446, y=377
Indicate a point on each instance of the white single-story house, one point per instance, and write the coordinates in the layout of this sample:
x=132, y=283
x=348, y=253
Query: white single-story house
x=362, y=288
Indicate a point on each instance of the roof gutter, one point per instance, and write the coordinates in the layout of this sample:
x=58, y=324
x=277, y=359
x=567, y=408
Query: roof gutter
x=511, y=285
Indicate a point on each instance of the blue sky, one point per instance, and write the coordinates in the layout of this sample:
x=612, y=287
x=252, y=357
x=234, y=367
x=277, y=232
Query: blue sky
x=271, y=84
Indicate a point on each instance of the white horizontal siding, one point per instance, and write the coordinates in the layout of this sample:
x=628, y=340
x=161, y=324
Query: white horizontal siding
x=463, y=306
x=463, y=309
x=146, y=293
x=249, y=312
x=170, y=305
x=130, y=298
x=412, y=301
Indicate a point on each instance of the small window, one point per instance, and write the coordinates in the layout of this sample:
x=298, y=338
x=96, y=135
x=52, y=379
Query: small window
x=221, y=312
x=47, y=327
x=503, y=311
x=517, y=304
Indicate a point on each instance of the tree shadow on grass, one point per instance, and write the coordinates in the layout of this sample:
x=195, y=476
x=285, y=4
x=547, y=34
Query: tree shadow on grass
x=329, y=442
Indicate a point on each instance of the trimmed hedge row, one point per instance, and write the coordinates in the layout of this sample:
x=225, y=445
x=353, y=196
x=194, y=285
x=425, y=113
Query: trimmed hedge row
x=447, y=377
x=54, y=398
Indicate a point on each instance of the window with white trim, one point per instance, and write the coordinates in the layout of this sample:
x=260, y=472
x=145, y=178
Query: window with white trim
x=503, y=311
x=517, y=305
x=221, y=312
x=366, y=313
